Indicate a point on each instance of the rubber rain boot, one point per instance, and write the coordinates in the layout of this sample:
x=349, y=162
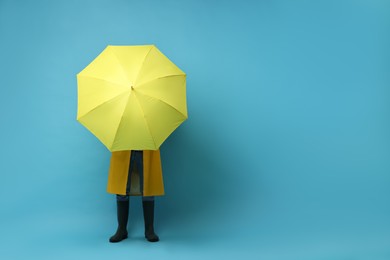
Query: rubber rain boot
x=123, y=215
x=148, y=207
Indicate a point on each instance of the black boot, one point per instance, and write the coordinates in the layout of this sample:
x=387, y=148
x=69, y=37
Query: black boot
x=123, y=215
x=148, y=207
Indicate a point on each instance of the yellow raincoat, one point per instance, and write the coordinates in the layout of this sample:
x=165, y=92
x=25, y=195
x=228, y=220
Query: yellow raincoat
x=152, y=173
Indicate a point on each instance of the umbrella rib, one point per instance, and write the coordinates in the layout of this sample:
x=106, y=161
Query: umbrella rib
x=121, y=65
x=163, y=77
x=117, y=129
x=105, y=102
x=146, y=122
x=163, y=102
x=102, y=79
x=142, y=64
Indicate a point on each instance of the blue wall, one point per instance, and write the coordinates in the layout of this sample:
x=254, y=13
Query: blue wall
x=285, y=154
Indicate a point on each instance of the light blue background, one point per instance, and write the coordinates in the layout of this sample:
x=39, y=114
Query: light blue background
x=285, y=154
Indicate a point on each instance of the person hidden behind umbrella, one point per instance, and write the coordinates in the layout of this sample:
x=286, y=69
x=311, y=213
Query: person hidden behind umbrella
x=135, y=173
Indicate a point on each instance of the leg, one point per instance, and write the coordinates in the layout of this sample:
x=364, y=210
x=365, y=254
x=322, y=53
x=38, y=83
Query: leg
x=122, y=203
x=148, y=207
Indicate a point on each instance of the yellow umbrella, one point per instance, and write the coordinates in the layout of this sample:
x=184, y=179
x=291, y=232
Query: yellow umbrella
x=131, y=97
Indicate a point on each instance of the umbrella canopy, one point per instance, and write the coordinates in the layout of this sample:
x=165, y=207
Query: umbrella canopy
x=131, y=97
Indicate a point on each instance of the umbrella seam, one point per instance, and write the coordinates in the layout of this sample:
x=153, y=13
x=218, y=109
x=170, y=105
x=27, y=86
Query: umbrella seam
x=163, y=102
x=173, y=75
x=105, y=102
x=94, y=77
x=146, y=122
x=121, y=66
x=142, y=64
x=117, y=130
